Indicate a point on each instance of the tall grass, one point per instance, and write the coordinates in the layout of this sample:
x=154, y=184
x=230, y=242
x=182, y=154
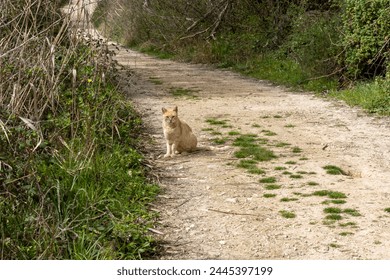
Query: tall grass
x=72, y=184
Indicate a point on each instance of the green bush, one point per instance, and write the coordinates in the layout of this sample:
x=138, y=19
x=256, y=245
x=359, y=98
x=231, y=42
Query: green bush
x=313, y=42
x=366, y=39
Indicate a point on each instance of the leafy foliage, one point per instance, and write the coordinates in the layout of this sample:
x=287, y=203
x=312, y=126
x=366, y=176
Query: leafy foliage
x=367, y=37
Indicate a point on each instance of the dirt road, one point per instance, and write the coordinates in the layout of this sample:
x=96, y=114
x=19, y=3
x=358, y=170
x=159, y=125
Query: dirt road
x=213, y=209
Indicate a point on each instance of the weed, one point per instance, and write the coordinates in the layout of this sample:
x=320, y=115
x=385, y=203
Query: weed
x=334, y=170
x=311, y=183
x=247, y=163
x=287, y=199
x=233, y=133
x=272, y=187
x=332, y=210
x=334, y=217
x=387, y=210
x=183, y=92
x=280, y=168
x=268, y=133
x=330, y=194
x=334, y=201
x=296, y=176
x=287, y=214
x=352, y=212
x=268, y=180
x=255, y=152
x=256, y=170
x=256, y=125
x=297, y=150
x=214, y=121
x=289, y=126
x=334, y=245
x=336, y=195
x=219, y=141
x=282, y=144
x=290, y=162
x=269, y=195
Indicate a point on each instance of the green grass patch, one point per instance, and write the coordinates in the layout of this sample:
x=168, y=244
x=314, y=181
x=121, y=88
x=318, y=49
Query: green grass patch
x=296, y=176
x=352, y=212
x=334, y=170
x=256, y=152
x=215, y=121
x=330, y=194
x=233, y=133
x=268, y=180
x=334, y=201
x=269, y=195
x=346, y=233
x=387, y=210
x=283, y=71
x=220, y=140
x=348, y=224
x=256, y=170
x=336, y=195
x=272, y=187
x=183, y=92
x=296, y=150
x=333, y=217
x=312, y=183
x=280, y=168
x=288, y=199
x=333, y=210
x=372, y=96
x=334, y=245
x=246, y=140
x=287, y=214
x=290, y=162
x=83, y=194
x=268, y=133
x=282, y=144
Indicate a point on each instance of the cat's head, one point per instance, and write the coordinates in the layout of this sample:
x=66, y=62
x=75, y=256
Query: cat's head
x=170, y=116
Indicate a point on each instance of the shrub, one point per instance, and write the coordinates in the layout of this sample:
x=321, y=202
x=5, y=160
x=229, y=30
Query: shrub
x=366, y=39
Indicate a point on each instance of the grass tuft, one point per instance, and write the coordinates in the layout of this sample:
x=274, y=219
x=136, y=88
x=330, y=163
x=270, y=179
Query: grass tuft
x=268, y=180
x=287, y=214
x=334, y=170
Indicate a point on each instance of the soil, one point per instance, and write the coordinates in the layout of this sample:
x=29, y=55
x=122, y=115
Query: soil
x=212, y=209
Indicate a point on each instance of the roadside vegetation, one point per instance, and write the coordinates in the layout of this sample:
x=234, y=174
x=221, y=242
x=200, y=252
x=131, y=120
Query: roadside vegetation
x=72, y=183
x=338, y=48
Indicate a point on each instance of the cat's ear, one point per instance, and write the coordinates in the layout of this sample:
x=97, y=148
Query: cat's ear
x=164, y=110
x=175, y=109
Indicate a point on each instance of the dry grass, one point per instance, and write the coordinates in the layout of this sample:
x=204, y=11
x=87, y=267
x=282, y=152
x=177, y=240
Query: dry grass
x=36, y=45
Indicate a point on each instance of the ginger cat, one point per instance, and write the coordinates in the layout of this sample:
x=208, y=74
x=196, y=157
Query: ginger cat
x=177, y=133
